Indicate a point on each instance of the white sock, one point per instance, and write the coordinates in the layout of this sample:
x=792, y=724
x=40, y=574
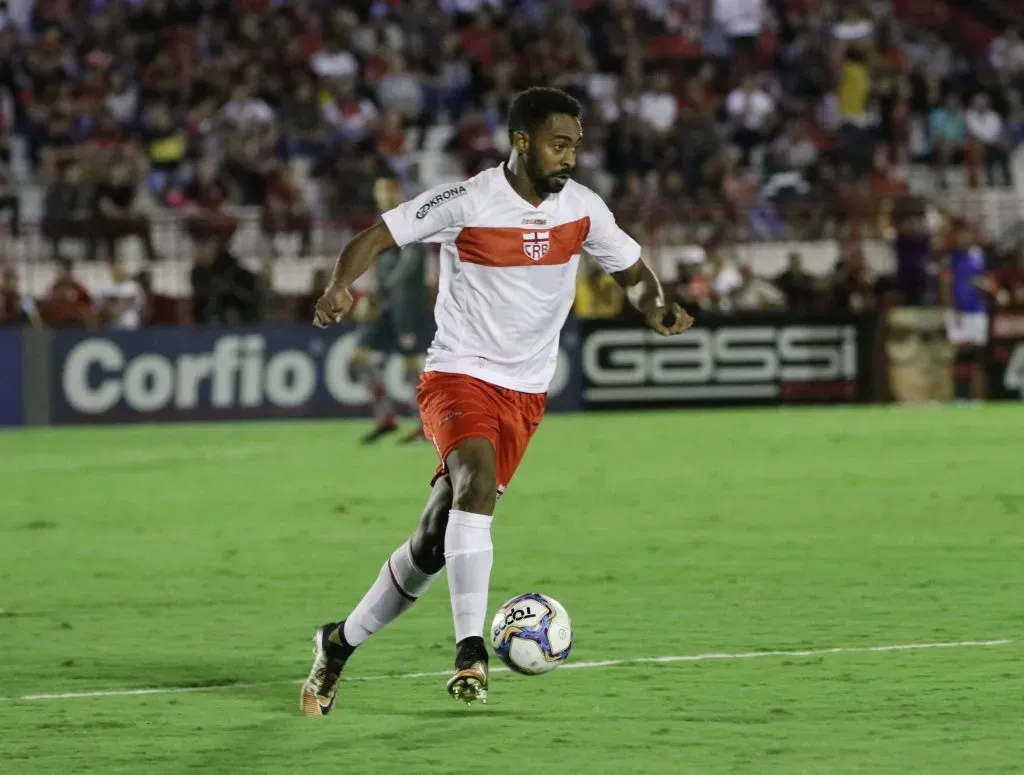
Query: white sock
x=468, y=555
x=397, y=587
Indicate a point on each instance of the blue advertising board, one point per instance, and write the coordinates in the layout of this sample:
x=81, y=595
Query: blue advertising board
x=194, y=374
x=11, y=404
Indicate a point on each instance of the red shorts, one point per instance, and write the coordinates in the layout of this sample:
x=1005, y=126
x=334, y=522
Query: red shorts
x=454, y=407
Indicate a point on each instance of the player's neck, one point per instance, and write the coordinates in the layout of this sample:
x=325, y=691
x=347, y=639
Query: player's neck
x=515, y=173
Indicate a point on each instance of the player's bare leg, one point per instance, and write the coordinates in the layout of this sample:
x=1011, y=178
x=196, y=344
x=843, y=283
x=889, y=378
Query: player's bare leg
x=404, y=578
x=468, y=555
x=967, y=373
x=364, y=364
x=427, y=542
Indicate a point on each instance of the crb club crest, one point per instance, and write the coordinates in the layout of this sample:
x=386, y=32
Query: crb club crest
x=536, y=244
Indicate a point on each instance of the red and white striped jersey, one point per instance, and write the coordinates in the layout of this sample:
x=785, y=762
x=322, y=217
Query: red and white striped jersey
x=508, y=272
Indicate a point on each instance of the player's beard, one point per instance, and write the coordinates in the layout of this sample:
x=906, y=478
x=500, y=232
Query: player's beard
x=545, y=183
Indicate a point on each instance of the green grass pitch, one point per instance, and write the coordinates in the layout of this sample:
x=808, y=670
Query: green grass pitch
x=199, y=557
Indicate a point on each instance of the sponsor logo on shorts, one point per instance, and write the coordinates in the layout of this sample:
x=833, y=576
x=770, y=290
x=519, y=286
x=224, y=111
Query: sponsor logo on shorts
x=439, y=199
x=450, y=416
x=536, y=244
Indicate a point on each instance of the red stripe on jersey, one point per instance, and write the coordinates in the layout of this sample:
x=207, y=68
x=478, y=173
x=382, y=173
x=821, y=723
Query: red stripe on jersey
x=526, y=246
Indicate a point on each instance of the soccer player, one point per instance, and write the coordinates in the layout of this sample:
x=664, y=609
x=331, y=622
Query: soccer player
x=402, y=323
x=510, y=239
x=964, y=289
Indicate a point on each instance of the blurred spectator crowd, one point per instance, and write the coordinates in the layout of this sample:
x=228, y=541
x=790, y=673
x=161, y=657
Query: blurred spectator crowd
x=706, y=279
x=204, y=102
x=740, y=119
x=223, y=291
x=715, y=281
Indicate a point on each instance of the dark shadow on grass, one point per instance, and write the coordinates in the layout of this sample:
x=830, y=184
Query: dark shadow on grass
x=429, y=713
x=285, y=699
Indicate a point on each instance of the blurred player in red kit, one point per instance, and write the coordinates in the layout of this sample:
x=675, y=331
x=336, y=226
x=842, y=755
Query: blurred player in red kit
x=511, y=239
x=1010, y=281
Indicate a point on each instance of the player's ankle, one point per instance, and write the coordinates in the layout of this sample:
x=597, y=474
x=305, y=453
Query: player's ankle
x=339, y=645
x=470, y=650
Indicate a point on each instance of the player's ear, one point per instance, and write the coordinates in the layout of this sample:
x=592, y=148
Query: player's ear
x=520, y=141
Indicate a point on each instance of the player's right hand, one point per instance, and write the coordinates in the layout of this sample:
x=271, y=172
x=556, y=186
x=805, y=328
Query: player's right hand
x=332, y=307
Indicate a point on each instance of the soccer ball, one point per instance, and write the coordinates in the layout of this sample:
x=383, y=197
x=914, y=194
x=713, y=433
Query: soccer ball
x=532, y=634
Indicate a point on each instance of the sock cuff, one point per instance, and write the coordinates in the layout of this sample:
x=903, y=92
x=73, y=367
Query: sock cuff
x=469, y=519
x=466, y=533
x=406, y=552
x=409, y=580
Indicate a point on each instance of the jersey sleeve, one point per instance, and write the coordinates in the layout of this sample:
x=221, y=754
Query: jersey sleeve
x=610, y=246
x=436, y=215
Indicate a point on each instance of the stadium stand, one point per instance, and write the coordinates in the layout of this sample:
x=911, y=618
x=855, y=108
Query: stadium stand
x=227, y=149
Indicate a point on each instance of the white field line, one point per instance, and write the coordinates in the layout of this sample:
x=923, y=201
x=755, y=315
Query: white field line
x=715, y=656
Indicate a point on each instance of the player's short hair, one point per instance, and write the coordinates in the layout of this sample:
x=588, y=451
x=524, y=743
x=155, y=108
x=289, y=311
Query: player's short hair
x=532, y=107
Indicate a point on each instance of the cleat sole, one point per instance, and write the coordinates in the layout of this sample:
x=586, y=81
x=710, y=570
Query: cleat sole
x=468, y=691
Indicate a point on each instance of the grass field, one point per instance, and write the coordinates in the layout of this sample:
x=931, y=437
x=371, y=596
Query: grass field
x=200, y=558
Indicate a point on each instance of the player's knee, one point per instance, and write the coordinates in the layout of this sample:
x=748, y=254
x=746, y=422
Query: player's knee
x=476, y=492
x=473, y=472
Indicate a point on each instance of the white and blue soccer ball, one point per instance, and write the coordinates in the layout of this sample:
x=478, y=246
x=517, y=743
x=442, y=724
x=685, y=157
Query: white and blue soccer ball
x=532, y=634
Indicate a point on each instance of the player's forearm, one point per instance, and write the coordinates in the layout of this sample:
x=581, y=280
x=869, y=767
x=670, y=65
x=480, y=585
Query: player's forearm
x=359, y=254
x=642, y=287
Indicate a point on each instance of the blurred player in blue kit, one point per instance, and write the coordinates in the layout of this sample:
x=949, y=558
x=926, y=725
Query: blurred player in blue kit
x=965, y=288
x=402, y=324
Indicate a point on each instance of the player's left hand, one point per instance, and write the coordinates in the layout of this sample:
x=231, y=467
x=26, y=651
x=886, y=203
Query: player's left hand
x=670, y=320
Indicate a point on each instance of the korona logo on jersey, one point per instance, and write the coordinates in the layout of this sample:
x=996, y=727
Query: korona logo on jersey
x=439, y=199
x=536, y=244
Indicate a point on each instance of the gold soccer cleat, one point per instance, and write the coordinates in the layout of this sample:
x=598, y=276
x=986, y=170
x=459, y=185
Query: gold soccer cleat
x=469, y=684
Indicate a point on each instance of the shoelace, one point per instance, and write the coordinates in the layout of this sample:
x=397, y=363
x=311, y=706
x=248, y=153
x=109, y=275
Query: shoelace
x=325, y=678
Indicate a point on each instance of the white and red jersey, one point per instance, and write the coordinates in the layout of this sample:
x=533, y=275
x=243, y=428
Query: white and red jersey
x=508, y=272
